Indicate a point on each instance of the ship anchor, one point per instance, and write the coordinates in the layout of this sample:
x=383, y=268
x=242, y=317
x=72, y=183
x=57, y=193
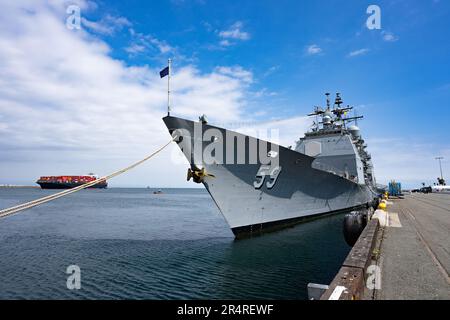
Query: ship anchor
x=198, y=175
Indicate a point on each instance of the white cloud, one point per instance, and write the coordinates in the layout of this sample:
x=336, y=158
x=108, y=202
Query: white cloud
x=236, y=72
x=144, y=42
x=235, y=32
x=271, y=70
x=108, y=25
x=359, y=52
x=135, y=49
x=264, y=92
x=225, y=43
x=67, y=107
x=389, y=36
x=97, y=26
x=313, y=49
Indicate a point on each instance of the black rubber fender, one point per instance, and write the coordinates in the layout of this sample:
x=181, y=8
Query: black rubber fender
x=354, y=224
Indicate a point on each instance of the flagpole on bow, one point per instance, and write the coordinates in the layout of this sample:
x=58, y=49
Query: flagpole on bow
x=168, y=87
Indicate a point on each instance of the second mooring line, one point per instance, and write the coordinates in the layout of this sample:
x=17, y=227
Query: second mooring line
x=9, y=211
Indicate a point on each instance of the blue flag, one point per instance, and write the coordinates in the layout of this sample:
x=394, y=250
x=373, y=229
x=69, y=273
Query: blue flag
x=164, y=72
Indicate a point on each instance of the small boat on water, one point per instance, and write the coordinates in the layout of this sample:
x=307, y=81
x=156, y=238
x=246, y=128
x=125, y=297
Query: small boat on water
x=159, y=191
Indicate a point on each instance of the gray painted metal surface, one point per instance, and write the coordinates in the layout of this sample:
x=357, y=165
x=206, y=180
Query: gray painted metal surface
x=329, y=171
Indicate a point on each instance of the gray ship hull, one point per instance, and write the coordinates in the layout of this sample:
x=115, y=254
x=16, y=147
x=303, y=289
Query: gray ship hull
x=300, y=191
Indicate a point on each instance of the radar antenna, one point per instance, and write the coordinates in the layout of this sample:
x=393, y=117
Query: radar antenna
x=338, y=100
x=338, y=111
x=317, y=111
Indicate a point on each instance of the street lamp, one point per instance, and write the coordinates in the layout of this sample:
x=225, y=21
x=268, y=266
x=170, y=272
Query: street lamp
x=440, y=165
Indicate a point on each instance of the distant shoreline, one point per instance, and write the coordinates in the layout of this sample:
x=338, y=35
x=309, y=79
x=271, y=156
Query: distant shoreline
x=13, y=186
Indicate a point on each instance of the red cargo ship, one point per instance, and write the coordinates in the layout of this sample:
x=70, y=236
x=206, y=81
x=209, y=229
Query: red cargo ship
x=68, y=182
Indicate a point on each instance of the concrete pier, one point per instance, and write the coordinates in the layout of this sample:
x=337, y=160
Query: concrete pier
x=402, y=254
x=414, y=249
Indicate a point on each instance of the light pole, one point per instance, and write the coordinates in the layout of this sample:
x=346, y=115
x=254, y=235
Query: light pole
x=440, y=165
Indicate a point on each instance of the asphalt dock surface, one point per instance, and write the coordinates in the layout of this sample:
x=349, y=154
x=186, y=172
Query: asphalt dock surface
x=414, y=250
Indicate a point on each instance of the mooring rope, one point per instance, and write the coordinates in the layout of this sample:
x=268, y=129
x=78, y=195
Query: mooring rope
x=34, y=203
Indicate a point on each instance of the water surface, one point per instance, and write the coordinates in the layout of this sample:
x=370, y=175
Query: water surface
x=132, y=244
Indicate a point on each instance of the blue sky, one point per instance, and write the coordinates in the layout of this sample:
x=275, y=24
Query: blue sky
x=233, y=60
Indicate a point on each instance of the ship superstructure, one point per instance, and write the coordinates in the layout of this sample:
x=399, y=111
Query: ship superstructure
x=337, y=146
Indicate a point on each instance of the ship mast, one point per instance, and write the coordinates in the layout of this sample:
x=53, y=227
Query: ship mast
x=169, y=62
x=338, y=112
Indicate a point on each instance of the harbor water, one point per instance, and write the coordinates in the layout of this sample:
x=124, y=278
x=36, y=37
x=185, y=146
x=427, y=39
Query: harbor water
x=133, y=244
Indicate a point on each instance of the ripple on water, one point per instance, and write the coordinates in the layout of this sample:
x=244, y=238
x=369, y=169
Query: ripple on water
x=131, y=244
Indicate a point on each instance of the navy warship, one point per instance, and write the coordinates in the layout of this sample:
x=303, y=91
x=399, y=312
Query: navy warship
x=259, y=185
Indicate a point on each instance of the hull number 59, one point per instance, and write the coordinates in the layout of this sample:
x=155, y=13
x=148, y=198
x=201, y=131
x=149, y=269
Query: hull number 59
x=271, y=173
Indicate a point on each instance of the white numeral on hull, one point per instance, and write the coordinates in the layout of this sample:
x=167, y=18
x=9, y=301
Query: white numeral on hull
x=267, y=171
